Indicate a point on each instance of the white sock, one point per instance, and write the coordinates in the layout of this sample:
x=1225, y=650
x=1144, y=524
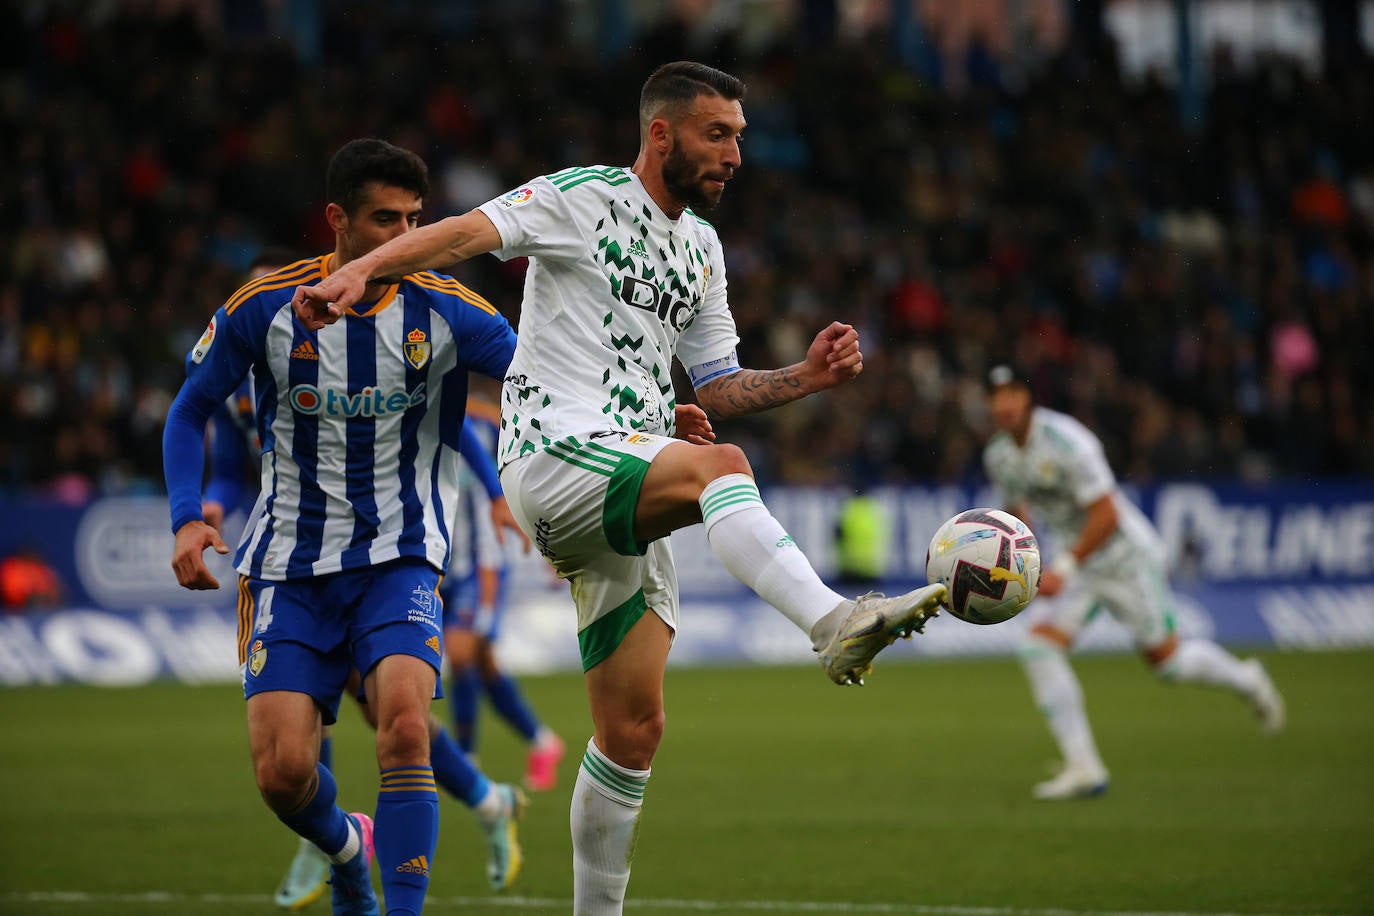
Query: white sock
x=1201, y=661
x=350, y=846
x=491, y=806
x=1060, y=697
x=606, y=802
x=750, y=543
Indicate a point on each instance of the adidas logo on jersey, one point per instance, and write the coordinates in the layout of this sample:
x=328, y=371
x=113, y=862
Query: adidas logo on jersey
x=637, y=248
x=416, y=866
x=306, y=350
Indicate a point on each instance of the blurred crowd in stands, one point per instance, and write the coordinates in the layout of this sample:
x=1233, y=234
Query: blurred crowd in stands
x=1201, y=296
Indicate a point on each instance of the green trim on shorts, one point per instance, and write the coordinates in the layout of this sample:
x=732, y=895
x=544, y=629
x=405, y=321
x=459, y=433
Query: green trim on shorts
x=604, y=635
x=618, y=512
x=626, y=473
x=578, y=455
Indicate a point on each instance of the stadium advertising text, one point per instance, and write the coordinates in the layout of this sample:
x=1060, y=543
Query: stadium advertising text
x=1289, y=566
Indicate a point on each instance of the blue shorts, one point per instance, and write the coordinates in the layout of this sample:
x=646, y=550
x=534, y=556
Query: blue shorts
x=305, y=635
x=460, y=604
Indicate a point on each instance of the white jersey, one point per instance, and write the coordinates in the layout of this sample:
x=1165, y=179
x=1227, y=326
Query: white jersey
x=614, y=290
x=1061, y=471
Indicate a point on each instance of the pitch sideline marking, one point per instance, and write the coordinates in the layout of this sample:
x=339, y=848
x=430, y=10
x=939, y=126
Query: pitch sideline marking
x=562, y=905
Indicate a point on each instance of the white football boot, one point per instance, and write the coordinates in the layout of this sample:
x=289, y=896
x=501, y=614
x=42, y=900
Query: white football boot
x=1074, y=781
x=1265, y=698
x=850, y=636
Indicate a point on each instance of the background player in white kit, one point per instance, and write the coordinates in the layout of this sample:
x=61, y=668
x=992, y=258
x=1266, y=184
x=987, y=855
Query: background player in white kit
x=623, y=278
x=1051, y=471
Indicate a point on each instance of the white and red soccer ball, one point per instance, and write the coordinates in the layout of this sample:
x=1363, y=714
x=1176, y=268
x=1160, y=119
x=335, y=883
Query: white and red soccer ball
x=989, y=562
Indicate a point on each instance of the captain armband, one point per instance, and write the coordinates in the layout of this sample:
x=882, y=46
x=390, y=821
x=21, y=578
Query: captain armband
x=702, y=373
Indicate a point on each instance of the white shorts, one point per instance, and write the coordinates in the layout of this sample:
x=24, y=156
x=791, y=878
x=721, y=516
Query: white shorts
x=576, y=500
x=1138, y=597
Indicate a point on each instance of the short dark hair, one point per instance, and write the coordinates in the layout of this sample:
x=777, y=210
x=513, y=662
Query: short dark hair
x=1009, y=374
x=273, y=256
x=359, y=161
x=677, y=84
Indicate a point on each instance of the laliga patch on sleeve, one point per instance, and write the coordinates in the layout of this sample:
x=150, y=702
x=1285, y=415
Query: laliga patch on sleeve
x=517, y=198
x=202, y=346
x=704, y=372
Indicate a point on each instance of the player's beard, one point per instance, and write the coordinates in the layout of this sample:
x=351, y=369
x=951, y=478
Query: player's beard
x=684, y=181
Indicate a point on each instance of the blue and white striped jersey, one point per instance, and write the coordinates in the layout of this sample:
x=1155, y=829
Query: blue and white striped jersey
x=359, y=421
x=474, y=539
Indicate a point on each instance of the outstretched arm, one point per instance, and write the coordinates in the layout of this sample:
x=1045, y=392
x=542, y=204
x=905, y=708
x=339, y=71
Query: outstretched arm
x=832, y=359
x=1098, y=525
x=440, y=244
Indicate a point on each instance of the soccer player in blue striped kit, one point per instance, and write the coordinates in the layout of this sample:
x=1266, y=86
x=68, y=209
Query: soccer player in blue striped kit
x=234, y=439
x=359, y=424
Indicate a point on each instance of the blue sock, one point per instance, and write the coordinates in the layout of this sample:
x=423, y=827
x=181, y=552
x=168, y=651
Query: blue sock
x=464, y=691
x=320, y=820
x=510, y=705
x=327, y=753
x=405, y=836
x=454, y=771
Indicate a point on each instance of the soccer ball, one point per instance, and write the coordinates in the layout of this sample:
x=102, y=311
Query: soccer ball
x=990, y=563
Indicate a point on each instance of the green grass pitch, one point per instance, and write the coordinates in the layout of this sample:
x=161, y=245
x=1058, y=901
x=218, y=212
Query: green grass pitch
x=774, y=791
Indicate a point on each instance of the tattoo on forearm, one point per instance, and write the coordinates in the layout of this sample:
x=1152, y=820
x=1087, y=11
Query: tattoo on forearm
x=752, y=390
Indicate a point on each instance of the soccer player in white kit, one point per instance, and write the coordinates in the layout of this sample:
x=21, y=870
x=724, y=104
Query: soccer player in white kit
x=623, y=277
x=1051, y=471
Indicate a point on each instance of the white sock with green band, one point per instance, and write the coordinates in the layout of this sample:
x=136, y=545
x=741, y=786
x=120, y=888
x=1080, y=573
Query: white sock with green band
x=748, y=540
x=606, y=802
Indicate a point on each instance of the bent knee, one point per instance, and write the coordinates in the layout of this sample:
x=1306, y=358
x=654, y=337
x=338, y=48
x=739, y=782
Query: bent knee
x=725, y=459
x=1159, y=655
x=1042, y=638
x=404, y=739
x=461, y=656
x=284, y=778
x=633, y=743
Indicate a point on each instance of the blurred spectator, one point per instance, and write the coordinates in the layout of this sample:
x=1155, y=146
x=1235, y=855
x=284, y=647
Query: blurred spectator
x=1194, y=295
x=27, y=582
x=863, y=540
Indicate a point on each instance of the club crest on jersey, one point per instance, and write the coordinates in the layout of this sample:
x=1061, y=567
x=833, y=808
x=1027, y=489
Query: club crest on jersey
x=426, y=606
x=203, y=345
x=258, y=660
x=516, y=198
x=417, y=348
